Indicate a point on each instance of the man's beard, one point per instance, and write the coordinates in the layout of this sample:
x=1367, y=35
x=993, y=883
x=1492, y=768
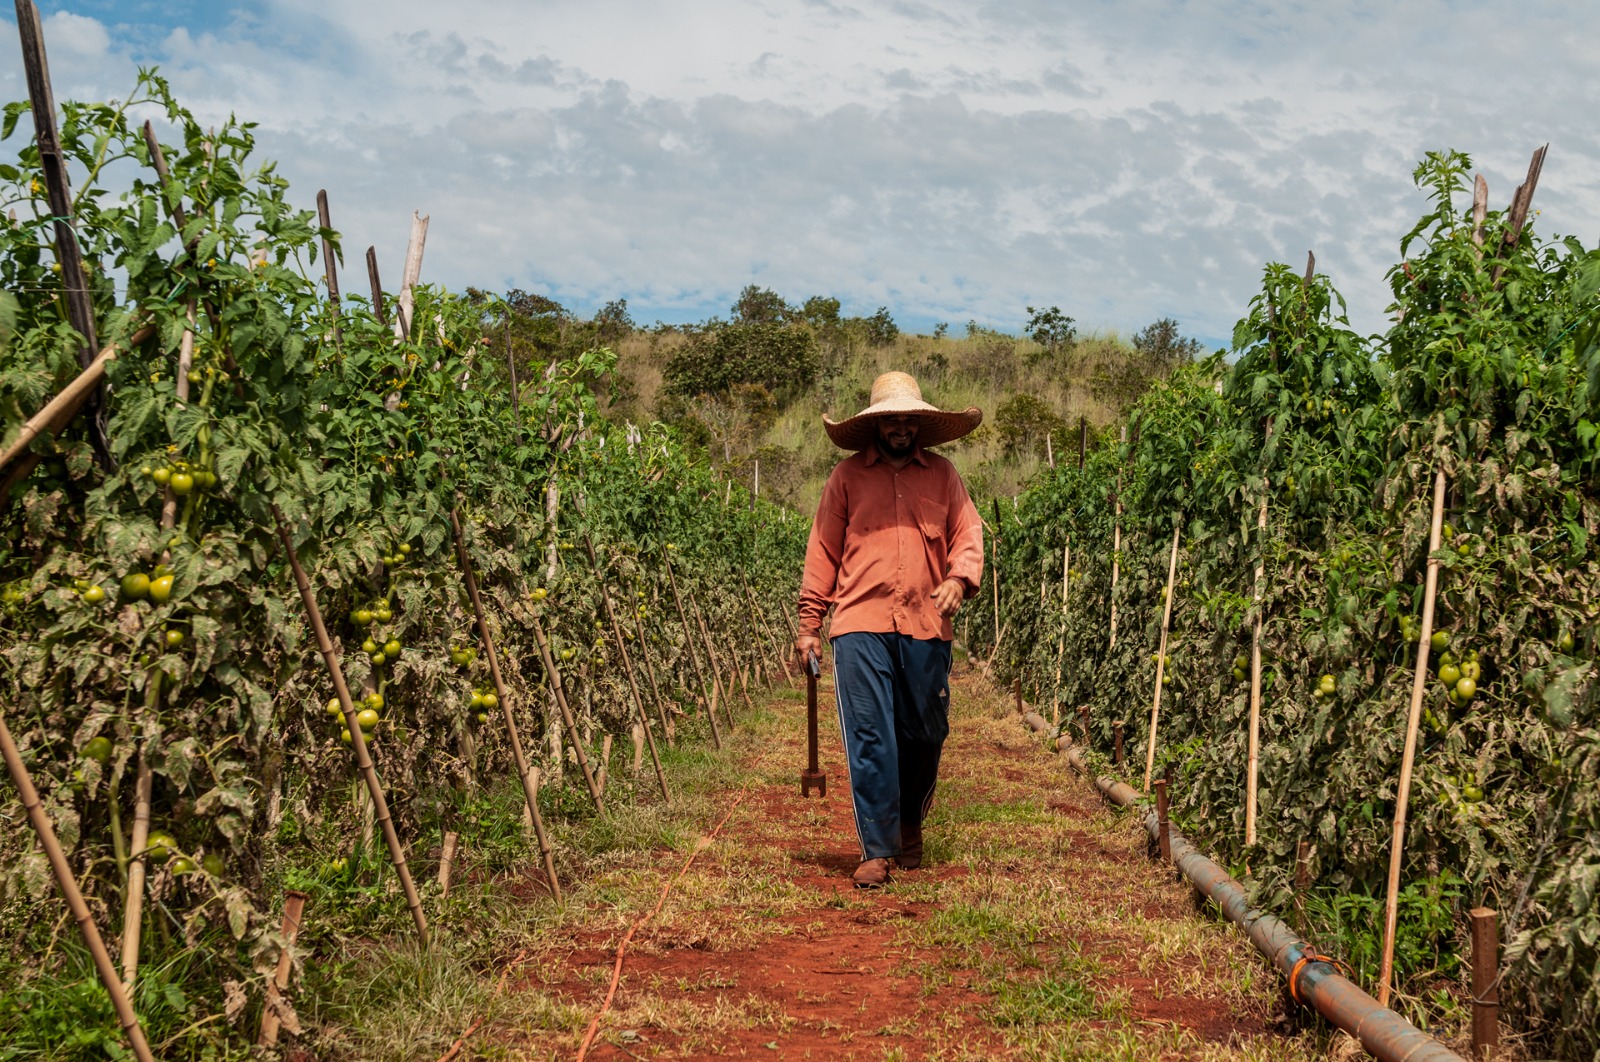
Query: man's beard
x=891, y=450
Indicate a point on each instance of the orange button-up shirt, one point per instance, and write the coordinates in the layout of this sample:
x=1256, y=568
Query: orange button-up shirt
x=883, y=539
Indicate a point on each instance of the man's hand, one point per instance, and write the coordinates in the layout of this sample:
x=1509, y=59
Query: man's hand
x=947, y=597
x=807, y=643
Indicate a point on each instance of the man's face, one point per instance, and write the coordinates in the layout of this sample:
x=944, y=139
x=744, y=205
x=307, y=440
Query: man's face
x=897, y=435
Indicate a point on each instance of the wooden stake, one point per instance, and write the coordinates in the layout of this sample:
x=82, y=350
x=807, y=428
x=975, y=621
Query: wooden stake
x=655, y=687
x=447, y=859
x=1480, y=210
x=58, y=191
x=1485, y=983
x=559, y=689
x=59, y=411
x=761, y=621
x=1253, y=760
x=293, y=905
x=1116, y=737
x=1049, y=453
x=413, y=273
x=1161, y=657
x=694, y=659
x=627, y=668
x=1116, y=552
x=530, y=789
x=330, y=268
x=605, y=762
x=369, y=774
x=1163, y=823
x=377, y=287
x=716, y=665
x=72, y=894
x=1419, y=685
x=1061, y=641
x=1083, y=441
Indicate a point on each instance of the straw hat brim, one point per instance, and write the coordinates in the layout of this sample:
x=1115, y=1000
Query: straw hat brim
x=938, y=425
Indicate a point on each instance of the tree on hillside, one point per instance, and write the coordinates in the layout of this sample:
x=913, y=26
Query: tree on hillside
x=1051, y=329
x=1163, y=347
x=1023, y=421
x=757, y=305
x=613, y=323
x=779, y=358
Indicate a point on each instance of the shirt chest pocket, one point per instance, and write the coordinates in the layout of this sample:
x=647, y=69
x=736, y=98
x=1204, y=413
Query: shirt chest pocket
x=931, y=516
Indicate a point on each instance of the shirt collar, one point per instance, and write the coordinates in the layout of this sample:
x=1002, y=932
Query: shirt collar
x=872, y=456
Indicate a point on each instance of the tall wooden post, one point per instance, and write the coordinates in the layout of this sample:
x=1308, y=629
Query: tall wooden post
x=1252, y=768
x=1419, y=682
x=1161, y=656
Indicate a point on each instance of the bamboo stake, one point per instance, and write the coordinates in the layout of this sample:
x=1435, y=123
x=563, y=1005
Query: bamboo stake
x=530, y=789
x=59, y=411
x=627, y=667
x=1419, y=685
x=73, y=895
x=294, y=904
x=559, y=689
x=369, y=774
x=1116, y=555
x=133, y=900
x=1253, y=766
x=413, y=273
x=694, y=659
x=1161, y=657
x=605, y=762
x=994, y=553
x=655, y=687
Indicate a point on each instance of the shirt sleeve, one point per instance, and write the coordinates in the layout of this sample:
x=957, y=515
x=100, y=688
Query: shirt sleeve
x=965, y=533
x=824, y=553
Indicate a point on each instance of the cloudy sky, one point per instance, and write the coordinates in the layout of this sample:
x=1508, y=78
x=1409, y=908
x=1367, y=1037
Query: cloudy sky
x=1124, y=160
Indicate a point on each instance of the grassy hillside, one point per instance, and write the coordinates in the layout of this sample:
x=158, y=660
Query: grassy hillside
x=1028, y=391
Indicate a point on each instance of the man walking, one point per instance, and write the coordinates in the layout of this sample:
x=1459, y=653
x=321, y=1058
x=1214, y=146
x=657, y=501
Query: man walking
x=896, y=546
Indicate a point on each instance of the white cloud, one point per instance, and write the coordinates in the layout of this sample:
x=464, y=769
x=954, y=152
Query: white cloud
x=952, y=160
x=82, y=36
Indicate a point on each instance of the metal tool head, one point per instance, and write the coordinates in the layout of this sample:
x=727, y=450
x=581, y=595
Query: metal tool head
x=813, y=666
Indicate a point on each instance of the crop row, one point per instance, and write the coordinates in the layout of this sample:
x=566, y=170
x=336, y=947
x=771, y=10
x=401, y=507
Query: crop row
x=1293, y=483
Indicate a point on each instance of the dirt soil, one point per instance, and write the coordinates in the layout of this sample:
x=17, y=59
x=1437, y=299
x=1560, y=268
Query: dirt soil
x=1037, y=928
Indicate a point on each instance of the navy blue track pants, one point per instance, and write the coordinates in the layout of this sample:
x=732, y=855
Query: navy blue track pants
x=893, y=693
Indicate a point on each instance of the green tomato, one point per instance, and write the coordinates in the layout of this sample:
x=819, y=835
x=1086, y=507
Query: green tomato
x=1466, y=689
x=491, y=700
x=97, y=749
x=1449, y=674
x=335, y=709
x=369, y=647
x=161, y=589
x=378, y=659
x=181, y=483
x=159, y=846
x=174, y=638
x=1440, y=641
x=162, y=476
x=375, y=700
x=391, y=648
x=94, y=595
x=1565, y=642
x=367, y=720
x=363, y=617
x=213, y=864
x=135, y=586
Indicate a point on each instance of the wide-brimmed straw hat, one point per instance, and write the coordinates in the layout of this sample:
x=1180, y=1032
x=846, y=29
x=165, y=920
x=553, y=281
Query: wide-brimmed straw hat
x=897, y=393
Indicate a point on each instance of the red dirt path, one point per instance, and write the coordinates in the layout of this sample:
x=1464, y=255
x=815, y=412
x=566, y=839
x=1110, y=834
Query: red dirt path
x=764, y=949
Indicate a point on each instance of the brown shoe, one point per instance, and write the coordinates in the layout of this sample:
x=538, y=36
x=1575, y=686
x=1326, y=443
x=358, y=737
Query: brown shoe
x=910, y=856
x=871, y=874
